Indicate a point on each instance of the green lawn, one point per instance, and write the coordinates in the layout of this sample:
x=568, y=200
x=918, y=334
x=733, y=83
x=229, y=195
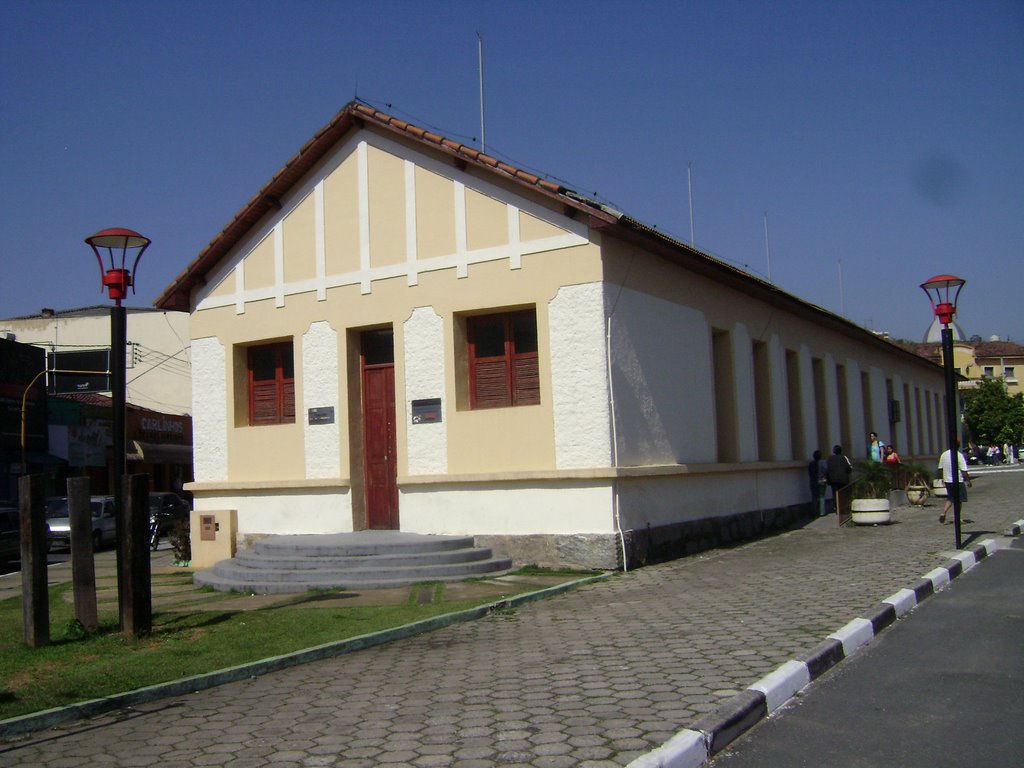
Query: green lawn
x=78, y=667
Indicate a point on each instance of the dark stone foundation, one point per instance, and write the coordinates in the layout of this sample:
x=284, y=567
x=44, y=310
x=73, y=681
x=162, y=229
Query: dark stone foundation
x=644, y=546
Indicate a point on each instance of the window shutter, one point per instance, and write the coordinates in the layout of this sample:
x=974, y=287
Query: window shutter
x=288, y=401
x=264, y=402
x=271, y=384
x=491, y=384
x=526, y=380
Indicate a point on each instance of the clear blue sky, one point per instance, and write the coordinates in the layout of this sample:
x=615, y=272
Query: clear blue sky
x=888, y=137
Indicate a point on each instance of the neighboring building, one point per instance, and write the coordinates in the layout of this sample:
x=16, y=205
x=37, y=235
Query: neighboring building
x=19, y=387
x=398, y=331
x=75, y=428
x=157, y=444
x=976, y=360
x=999, y=360
x=159, y=375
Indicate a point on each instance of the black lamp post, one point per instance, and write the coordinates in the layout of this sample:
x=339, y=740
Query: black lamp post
x=111, y=247
x=942, y=292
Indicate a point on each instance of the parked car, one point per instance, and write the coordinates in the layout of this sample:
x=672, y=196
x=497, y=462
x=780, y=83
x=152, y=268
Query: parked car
x=104, y=521
x=166, y=509
x=10, y=535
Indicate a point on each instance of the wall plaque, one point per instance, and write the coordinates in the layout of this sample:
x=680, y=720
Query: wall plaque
x=321, y=415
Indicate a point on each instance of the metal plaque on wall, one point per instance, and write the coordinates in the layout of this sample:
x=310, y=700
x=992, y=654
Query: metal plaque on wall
x=323, y=415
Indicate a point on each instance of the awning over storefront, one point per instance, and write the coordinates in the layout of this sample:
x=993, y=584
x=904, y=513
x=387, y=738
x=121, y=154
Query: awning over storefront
x=160, y=453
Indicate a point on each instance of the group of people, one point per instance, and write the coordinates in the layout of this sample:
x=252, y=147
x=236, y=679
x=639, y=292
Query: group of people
x=879, y=451
x=993, y=454
x=827, y=475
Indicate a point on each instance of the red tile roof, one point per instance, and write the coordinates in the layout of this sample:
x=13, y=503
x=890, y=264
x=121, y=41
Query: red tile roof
x=352, y=116
x=355, y=115
x=998, y=349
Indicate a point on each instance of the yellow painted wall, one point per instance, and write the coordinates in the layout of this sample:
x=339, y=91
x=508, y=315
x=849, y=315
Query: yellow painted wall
x=259, y=265
x=387, y=208
x=341, y=218
x=507, y=439
x=300, y=242
x=435, y=215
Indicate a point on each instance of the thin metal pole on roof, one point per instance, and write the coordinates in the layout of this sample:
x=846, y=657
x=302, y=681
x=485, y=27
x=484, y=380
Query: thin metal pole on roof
x=767, y=246
x=689, y=186
x=480, y=56
x=842, y=293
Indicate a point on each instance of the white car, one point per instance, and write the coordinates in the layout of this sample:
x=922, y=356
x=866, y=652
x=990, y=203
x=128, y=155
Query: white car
x=104, y=522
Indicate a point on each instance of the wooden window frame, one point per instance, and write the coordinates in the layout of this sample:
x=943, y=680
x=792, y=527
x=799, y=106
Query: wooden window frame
x=517, y=383
x=281, y=401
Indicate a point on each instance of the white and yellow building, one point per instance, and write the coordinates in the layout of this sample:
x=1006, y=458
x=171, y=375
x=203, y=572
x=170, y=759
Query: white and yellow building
x=400, y=332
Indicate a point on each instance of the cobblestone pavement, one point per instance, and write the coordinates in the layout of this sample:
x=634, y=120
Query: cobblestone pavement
x=594, y=677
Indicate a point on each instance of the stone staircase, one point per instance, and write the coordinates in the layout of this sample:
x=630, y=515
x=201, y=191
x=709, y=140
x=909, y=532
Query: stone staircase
x=360, y=560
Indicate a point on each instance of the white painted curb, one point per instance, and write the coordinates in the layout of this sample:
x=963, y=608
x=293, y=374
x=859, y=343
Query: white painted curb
x=967, y=560
x=939, y=578
x=854, y=635
x=903, y=601
x=687, y=749
x=779, y=685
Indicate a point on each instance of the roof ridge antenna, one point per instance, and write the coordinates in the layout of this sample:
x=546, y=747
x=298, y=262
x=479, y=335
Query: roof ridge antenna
x=768, y=247
x=480, y=57
x=689, y=187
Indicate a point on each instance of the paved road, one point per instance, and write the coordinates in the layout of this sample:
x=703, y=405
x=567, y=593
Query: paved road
x=941, y=688
x=595, y=678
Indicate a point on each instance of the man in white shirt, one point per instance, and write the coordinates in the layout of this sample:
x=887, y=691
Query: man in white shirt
x=946, y=466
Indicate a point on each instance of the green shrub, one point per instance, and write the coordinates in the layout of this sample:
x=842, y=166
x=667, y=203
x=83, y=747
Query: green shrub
x=872, y=480
x=181, y=541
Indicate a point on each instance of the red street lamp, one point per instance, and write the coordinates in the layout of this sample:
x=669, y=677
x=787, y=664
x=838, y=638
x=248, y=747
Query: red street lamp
x=133, y=567
x=943, y=292
x=938, y=290
x=116, y=278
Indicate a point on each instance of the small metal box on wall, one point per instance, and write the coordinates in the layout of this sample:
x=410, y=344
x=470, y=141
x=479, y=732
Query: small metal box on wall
x=426, y=411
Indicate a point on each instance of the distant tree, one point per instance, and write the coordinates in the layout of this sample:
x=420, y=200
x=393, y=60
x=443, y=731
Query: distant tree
x=975, y=339
x=992, y=414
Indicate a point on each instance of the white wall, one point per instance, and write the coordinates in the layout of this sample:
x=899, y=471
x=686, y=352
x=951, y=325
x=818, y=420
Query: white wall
x=209, y=410
x=320, y=386
x=661, y=368
x=579, y=377
x=284, y=511
x=550, y=507
x=424, y=378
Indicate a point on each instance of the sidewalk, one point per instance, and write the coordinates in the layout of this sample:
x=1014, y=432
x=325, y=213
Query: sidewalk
x=597, y=677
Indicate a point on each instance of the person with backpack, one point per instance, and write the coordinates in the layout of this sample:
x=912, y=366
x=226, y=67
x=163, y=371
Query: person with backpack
x=838, y=471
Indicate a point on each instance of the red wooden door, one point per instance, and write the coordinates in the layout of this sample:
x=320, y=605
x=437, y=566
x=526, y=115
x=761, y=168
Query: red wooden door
x=379, y=452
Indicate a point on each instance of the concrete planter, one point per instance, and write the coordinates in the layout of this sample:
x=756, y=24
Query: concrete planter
x=917, y=494
x=871, y=511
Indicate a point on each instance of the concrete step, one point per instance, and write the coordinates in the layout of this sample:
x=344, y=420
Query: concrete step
x=360, y=560
x=360, y=543
x=298, y=561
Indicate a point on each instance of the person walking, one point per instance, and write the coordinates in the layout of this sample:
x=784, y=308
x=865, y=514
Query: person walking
x=816, y=469
x=876, y=448
x=838, y=471
x=963, y=481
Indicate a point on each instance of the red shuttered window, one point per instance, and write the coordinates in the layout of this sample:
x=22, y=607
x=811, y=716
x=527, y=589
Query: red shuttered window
x=503, y=368
x=271, y=384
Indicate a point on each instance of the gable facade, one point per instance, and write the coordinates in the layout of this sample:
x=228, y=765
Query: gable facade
x=412, y=338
